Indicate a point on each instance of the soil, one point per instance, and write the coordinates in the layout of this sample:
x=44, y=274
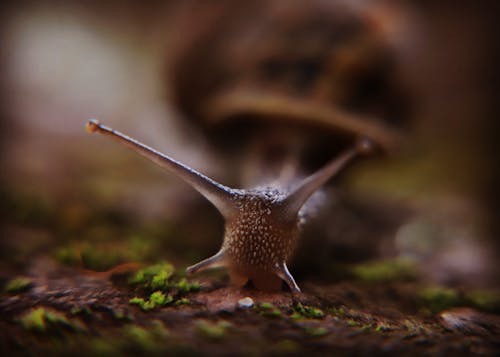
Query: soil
x=348, y=317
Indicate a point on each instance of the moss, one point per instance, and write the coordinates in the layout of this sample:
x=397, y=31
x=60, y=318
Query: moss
x=34, y=320
x=316, y=331
x=159, y=330
x=484, y=300
x=267, y=305
x=185, y=286
x=268, y=309
x=101, y=258
x=159, y=281
x=149, y=339
x=130, y=340
x=159, y=298
x=18, y=285
x=140, y=336
x=366, y=327
x=352, y=323
x=340, y=311
x=139, y=247
x=215, y=331
x=156, y=299
x=182, y=301
x=99, y=249
x=386, y=270
x=438, y=298
x=381, y=327
x=120, y=314
x=307, y=311
x=414, y=328
x=77, y=310
x=43, y=320
x=68, y=255
x=154, y=277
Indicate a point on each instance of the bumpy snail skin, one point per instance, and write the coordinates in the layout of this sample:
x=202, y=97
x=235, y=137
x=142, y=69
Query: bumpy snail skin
x=261, y=224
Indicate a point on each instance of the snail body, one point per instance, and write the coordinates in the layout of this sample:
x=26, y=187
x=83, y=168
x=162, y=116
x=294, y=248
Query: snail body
x=261, y=224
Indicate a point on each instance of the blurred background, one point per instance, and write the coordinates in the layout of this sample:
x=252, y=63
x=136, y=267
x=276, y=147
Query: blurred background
x=238, y=92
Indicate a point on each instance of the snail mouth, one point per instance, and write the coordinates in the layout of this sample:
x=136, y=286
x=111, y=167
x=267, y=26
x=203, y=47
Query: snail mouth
x=274, y=107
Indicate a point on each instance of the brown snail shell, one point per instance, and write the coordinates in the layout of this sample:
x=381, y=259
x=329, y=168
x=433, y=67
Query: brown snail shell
x=313, y=64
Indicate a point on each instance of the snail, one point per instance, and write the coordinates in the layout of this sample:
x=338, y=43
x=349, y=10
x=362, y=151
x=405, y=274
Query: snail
x=288, y=86
x=278, y=88
x=261, y=224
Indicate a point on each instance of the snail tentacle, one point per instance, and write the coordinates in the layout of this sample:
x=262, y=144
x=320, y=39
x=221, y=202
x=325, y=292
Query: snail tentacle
x=218, y=194
x=284, y=274
x=215, y=261
x=307, y=187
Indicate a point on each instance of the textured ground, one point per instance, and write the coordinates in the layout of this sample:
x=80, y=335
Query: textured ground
x=67, y=310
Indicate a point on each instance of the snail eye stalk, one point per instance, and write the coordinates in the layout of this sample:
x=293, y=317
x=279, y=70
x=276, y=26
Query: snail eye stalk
x=307, y=187
x=218, y=194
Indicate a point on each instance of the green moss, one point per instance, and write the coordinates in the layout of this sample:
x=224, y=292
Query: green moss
x=159, y=298
x=381, y=327
x=42, y=320
x=268, y=309
x=18, y=285
x=352, y=323
x=136, y=300
x=366, y=327
x=182, y=301
x=101, y=258
x=34, y=320
x=307, y=311
x=386, y=270
x=77, y=310
x=316, y=331
x=159, y=281
x=140, y=336
x=484, y=300
x=99, y=249
x=68, y=255
x=140, y=247
x=159, y=330
x=185, y=286
x=130, y=340
x=120, y=314
x=340, y=311
x=154, y=277
x=54, y=317
x=414, y=327
x=156, y=299
x=438, y=298
x=215, y=331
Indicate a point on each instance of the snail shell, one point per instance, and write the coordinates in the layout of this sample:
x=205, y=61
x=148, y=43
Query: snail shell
x=324, y=66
